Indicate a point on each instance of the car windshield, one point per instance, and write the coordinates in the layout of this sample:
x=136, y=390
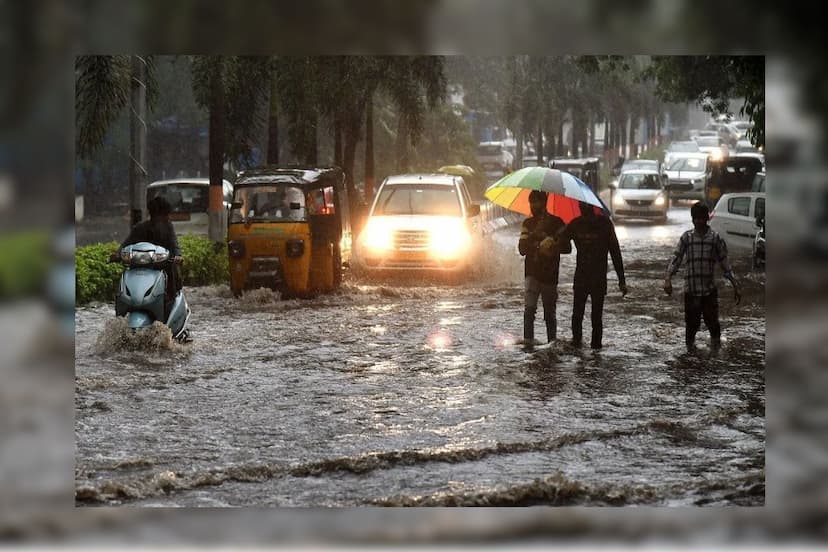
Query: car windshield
x=640, y=182
x=268, y=203
x=684, y=146
x=695, y=164
x=183, y=198
x=707, y=141
x=418, y=199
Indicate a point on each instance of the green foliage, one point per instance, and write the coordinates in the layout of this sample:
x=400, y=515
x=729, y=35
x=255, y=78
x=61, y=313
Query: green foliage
x=23, y=264
x=712, y=81
x=96, y=279
x=205, y=261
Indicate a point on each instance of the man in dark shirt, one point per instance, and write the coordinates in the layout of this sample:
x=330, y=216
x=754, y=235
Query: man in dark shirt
x=543, y=254
x=159, y=230
x=594, y=237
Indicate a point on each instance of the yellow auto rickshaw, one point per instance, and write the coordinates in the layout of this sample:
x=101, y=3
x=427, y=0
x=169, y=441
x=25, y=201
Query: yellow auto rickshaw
x=289, y=230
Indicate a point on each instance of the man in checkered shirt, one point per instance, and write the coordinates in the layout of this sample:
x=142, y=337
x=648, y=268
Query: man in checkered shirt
x=703, y=248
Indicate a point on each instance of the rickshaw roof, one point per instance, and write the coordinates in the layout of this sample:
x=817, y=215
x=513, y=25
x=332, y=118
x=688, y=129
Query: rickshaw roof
x=296, y=175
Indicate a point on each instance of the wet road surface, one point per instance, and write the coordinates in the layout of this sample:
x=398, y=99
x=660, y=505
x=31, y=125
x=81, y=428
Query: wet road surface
x=400, y=393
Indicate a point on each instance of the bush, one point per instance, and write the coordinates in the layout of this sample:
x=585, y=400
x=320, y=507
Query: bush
x=96, y=279
x=24, y=261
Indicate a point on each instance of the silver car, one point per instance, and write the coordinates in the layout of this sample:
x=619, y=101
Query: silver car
x=687, y=175
x=640, y=193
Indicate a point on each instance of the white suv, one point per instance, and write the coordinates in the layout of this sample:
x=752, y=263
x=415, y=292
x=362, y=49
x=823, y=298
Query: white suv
x=735, y=220
x=423, y=222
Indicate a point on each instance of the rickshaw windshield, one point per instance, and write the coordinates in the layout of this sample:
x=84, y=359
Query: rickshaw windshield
x=268, y=203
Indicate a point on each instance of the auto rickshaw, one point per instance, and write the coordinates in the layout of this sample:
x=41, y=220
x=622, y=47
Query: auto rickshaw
x=289, y=230
x=586, y=168
x=728, y=175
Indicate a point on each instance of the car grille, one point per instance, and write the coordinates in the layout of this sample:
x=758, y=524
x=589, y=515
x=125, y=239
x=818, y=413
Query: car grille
x=640, y=202
x=411, y=240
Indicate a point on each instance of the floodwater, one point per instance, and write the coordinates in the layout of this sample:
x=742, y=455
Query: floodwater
x=417, y=394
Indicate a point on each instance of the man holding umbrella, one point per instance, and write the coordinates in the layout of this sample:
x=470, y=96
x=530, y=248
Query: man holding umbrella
x=594, y=237
x=543, y=255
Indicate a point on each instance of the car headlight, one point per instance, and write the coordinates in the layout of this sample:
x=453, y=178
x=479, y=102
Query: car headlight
x=618, y=200
x=378, y=235
x=449, y=239
x=659, y=200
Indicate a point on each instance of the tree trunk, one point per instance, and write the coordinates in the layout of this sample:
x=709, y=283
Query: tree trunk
x=591, y=136
x=633, y=125
x=138, y=139
x=216, y=206
x=273, y=127
x=369, y=149
x=311, y=153
x=338, y=139
x=622, y=135
x=539, y=145
x=560, y=150
x=351, y=137
x=518, y=158
x=401, y=148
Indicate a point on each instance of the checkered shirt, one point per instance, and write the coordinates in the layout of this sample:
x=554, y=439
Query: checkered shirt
x=703, y=252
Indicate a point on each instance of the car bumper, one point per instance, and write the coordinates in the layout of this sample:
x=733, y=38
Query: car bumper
x=632, y=212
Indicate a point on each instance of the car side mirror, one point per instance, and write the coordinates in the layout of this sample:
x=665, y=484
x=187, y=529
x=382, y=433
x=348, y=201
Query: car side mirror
x=613, y=184
x=760, y=221
x=473, y=210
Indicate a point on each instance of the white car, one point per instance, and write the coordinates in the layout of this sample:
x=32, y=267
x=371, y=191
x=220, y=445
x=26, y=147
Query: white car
x=687, y=174
x=421, y=222
x=189, y=201
x=639, y=193
x=735, y=220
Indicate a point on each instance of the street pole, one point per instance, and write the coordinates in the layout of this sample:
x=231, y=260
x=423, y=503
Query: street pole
x=137, y=139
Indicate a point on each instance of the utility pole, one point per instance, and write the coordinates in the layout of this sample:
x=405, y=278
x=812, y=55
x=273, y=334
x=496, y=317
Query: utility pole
x=137, y=139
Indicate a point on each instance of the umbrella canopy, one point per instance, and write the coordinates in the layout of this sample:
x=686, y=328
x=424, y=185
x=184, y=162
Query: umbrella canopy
x=565, y=192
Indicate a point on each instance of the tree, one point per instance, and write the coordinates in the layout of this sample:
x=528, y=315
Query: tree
x=711, y=82
x=233, y=90
x=104, y=86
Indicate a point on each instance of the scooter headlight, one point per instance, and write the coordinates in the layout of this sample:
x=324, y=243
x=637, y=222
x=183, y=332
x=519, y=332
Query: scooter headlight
x=142, y=257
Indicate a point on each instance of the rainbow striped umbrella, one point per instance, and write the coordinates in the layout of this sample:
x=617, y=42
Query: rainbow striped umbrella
x=565, y=192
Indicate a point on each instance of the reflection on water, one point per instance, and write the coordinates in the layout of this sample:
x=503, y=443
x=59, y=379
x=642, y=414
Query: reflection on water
x=404, y=394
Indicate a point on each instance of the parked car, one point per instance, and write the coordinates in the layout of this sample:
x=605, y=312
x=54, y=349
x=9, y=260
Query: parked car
x=421, y=222
x=687, y=176
x=189, y=200
x=757, y=260
x=736, y=219
x=758, y=184
x=687, y=146
x=640, y=193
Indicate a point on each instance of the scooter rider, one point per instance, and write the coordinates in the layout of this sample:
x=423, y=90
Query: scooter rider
x=158, y=230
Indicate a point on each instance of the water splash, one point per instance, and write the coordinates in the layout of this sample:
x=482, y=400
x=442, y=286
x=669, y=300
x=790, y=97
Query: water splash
x=117, y=336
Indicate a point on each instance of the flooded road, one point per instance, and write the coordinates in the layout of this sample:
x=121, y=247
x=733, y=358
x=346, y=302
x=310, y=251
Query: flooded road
x=392, y=393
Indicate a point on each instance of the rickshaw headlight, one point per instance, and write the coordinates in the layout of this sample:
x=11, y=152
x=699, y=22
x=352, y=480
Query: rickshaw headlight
x=235, y=249
x=295, y=248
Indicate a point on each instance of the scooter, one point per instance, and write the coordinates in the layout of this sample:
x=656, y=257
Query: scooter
x=141, y=290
